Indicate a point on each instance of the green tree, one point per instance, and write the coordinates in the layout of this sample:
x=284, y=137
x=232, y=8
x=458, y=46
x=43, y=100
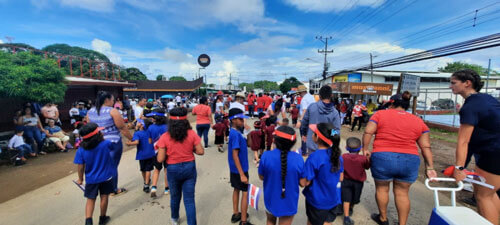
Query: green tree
x=134, y=74
x=288, y=84
x=76, y=51
x=250, y=86
x=177, y=78
x=456, y=66
x=266, y=85
x=160, y=77
x=44, y=79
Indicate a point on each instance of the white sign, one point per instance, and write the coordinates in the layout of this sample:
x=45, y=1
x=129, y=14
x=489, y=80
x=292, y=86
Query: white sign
x=410, y=83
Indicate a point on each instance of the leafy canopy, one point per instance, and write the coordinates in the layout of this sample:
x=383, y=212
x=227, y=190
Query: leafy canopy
x=133, y=73
x=177, y=78
x=456, y=66
x=288, y=84
x=31, y=78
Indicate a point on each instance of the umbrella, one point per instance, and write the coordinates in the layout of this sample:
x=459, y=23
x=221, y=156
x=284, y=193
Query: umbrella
x=167, y=96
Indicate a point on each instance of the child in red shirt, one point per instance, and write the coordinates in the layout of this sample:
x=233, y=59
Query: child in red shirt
x=255, y=139
x=354, y=176
x=295, y=114
x=220, y=131
x=270, y=127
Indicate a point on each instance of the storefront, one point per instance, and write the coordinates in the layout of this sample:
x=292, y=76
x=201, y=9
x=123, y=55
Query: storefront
x=358, y=90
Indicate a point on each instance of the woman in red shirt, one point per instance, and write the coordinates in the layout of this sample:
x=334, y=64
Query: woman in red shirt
x=177, y=148
x=204, y=121
x=395, y=156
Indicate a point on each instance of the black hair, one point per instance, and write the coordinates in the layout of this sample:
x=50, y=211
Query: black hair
x=147, y=123
x=326, y=130
x=325, y=92
x=468, y=74
x=404, y=102
x=285, y=120
x=178, y=128
x=101, y=97
x=92, y=142
x=261, y=114
x=28, y=107
x=284, y=145
x=278, y=105
x=311, y=91
x=203, y=100
x=149, y=105
x=260, y=94
x=160, y=120
x=19, y=130
x=353, y=142
x=146, y=111
x=270, y=120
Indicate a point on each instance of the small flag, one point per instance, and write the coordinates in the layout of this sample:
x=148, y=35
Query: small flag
x=253, y=196
x=79, y=185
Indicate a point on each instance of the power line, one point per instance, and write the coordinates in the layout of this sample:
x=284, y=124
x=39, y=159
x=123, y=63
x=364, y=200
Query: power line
x=338, y=17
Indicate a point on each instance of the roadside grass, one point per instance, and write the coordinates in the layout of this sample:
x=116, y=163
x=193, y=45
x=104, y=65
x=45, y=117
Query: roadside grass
x=444, y=135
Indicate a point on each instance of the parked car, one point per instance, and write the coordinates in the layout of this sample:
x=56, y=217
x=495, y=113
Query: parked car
x=444, y=103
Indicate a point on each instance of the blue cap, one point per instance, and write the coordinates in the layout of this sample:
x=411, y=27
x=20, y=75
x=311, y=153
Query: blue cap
x=353, y=149
x=141, y=121
x=155, y=114
x=239, y=116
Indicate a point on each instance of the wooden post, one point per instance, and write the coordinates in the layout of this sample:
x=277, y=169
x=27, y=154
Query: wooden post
x=414, y=108
x=399, y=84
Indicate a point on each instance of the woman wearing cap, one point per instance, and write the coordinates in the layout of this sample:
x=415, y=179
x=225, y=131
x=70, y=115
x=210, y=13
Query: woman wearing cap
x=204, y=119
x=478, y=135
x=177, y=146
x=104, y=115
x=395, y=156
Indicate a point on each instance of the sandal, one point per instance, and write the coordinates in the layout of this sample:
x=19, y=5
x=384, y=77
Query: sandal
x=119, y=191
x=42, y=153
x=376, y=218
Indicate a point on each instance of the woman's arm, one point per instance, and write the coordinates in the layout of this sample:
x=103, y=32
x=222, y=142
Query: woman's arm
x=129, y=142
x=162, y=155
x=370, y=130
x=120, y=124
x=464, y=135
x=199, y=150
x=425, y=145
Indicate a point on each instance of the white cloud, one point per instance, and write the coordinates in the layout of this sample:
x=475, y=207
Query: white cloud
x=265, y=45
x=172, y=55
x=374, y=47
x=92, y=5
x=324, y=6
x=104, y=47
x=1, y=42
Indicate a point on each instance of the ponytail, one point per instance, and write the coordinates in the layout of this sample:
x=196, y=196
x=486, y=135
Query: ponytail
x=471, y=75
x=329, y=132
x=284, y=145
x=101, y=97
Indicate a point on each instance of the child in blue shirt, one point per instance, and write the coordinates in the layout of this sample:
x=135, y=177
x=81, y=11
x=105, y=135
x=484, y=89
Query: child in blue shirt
x=238, y=165
x=155, y=131
x=323, y=172
x=281, y=170
x=145, y=151
x=93, y=159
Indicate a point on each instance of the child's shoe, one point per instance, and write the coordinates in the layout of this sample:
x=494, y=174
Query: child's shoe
x=153, y=192
x=245, y=223
x=167, y=190
x=146, y=188
x=88, y=221
x=174, y=221
x=235, y=218
x=348, y=221
x=103, y=220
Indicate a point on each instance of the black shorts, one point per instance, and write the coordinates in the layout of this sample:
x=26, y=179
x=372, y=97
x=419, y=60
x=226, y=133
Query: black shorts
x=294, y=121
x=488, y=161
x=351, y=191
x=263, y=142
x=103, y=188
x=320, y=216
x=236, y=181
x=219, y=140
x=147, y=164
x=159, y=165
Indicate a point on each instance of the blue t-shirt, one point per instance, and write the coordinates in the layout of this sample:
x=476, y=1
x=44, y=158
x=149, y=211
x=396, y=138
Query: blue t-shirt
x=98, y=164
x=322, y=192
x=82, y=112
x=270, y=168
x=483, y=112
x=53, y=130
x=237, y=141
x=145, y=150
x=155, y=131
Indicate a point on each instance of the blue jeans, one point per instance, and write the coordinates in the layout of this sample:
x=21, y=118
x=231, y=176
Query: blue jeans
x=250, y=110
x=203, y=131
x=33, y=134
x=182, y=180
x=116, y=155
x=24, y=150
x=259, y=110
x=390, y=166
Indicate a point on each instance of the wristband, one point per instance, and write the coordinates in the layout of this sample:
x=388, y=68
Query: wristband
x=429, y=169
x=459, y=168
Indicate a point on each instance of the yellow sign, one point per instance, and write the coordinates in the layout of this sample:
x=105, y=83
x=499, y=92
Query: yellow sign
x=340, y=78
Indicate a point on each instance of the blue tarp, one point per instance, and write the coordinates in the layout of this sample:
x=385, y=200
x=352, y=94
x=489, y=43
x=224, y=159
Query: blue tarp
x=167, y=96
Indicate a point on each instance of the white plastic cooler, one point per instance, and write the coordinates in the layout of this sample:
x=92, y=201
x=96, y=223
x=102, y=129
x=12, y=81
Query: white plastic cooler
x=452, y=215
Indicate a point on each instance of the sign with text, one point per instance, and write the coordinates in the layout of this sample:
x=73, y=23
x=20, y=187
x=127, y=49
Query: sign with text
x=204, y=60
x=362, y=88
x=410, y=83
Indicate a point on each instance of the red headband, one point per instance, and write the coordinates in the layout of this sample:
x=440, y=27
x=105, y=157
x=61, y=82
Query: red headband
x=285, y=135
x=91, y=134
x=178, y=117
x=314, y=128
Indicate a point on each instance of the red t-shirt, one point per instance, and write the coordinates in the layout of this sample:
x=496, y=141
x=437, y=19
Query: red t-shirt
x=397, y=131
x=299, y=99
x=295, y=113
x=250, y=99
x=269, y=134
x=343, y=108
x=261, y=101
x=355, y=166
x=268, y=102
x=203, y=113
x=178, y=152
x=256, y=137
x=357, y=110
x=219, y=129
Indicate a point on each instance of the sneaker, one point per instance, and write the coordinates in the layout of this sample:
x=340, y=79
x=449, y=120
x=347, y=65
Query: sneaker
x=376, y=218
x=103, y=220
x=167, y=190
x=235, y=218
x=245, y=223
x=88, y=221
x=348, y=221
x=146, y=188
x=19, y=162
x=153, y=192
x=174, y=221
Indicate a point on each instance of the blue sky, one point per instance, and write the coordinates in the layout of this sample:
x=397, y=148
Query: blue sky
x=252, y=39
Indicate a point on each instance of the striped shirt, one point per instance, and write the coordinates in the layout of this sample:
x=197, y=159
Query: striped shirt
x=104, y=119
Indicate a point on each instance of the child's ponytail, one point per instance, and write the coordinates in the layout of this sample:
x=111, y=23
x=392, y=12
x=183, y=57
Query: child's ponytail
x=329, y=132
x=284, y=138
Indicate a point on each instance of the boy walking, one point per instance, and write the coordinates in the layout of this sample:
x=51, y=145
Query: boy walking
x=238, y=166
x=354, y=176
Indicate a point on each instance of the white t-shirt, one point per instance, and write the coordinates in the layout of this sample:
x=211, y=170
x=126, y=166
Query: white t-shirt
x=73, y=112
x=133, y=103
x=170, y=105
x=16, y=141
x=237, y=105
x=218, y=106
x=307, y=100
x=178, y=98
x=138, y=111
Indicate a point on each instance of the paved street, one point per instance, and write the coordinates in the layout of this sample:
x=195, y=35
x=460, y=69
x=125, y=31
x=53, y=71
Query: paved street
x=61, y=202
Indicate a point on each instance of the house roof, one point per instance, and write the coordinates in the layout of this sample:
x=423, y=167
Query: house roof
x=84, y=81
x=150, y=85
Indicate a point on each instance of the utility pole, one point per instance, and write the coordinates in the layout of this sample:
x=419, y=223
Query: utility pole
x=488, y=77
x=371, y=67
x=326, y=51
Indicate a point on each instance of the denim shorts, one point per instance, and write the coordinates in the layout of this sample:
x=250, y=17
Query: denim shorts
x=389, y=166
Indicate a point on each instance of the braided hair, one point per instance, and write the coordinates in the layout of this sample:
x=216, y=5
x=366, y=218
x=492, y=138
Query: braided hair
x=326, y=130
x=92, y=142
x=284, y=145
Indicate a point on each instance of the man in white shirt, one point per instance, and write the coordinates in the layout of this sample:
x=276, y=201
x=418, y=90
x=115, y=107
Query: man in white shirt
x=238, y=103
x=307, y=99
x=74, y=113
x=139, y=108
x=170, y=105
x=178, y=99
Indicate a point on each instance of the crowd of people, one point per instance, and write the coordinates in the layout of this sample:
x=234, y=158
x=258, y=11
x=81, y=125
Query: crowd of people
x=332, y=182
